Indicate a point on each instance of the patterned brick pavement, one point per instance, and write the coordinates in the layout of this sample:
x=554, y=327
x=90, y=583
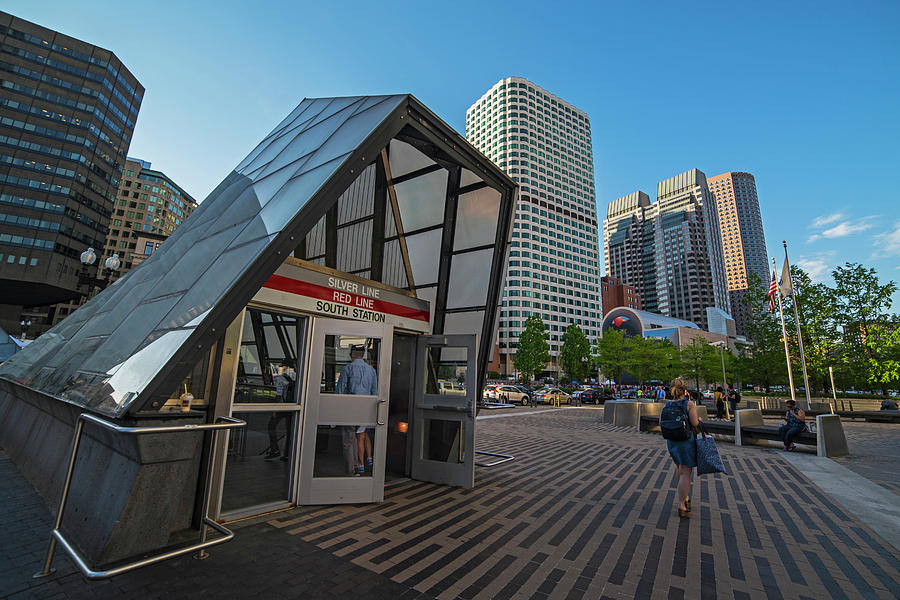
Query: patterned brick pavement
x=586, y=511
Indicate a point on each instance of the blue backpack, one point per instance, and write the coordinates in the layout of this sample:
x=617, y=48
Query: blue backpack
x=674, y=422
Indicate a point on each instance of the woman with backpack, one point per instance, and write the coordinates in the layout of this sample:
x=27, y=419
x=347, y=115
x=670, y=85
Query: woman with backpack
x=678, y=422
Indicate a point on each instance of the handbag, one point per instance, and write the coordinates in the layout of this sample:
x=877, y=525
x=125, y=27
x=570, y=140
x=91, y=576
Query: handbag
x=708, y=459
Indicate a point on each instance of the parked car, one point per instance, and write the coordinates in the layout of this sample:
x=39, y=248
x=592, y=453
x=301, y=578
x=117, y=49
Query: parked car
x=512, y=394
x=490, y=391
x=451, y=388
x=550, y=395
x=595, y=396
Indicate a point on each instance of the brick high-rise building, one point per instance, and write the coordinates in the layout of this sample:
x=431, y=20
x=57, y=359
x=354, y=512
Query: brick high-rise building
x=544, y=144
x=67, y=113
x=743, y=240
x=149, y=207
x=669, y=250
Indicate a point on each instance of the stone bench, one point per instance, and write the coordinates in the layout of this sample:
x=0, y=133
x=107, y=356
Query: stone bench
x=829, y=438
x=648, y=416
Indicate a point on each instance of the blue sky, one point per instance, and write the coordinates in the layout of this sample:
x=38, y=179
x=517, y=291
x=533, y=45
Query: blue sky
x=804, y=95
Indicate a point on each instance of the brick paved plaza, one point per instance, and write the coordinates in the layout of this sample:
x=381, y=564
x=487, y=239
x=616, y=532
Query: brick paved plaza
x=585, y=511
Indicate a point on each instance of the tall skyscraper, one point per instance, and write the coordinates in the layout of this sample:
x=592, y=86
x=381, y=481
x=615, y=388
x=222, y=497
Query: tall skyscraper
x=669, y=250
x=544, y=144
x=67, y=113
x=743, y=241
x=148, y=208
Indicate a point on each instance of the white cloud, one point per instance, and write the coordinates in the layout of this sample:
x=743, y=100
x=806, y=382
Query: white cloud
x=823, y=220
x=818, y=267
x=813, y=238
x=888, y=243
x=846, y=228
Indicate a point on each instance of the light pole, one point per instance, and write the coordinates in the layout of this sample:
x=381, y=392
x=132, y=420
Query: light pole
x=721, y=345
x=25, y=325
x=88, y=257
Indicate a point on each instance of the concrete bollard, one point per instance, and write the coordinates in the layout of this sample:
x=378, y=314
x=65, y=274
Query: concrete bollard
x=830, y=438
x=746, y=417
x=627, y=414
x=650, y=410
x=609, y=409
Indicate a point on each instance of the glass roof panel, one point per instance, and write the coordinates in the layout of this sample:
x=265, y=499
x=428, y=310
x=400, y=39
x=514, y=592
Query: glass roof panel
x=467, y=177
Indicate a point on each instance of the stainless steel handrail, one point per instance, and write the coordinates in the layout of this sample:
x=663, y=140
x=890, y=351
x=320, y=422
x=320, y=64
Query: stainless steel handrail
x=57, y=536
x=504, y=458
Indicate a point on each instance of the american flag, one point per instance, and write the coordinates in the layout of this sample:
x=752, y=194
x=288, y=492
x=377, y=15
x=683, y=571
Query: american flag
x=773, y=289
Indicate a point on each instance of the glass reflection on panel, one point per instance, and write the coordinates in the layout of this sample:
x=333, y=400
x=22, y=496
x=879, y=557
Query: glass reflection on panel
x=193, y=391
x=344, y=451
x=267, y=359
x=446, y=371
x=257, y=469
x=350, y=365
x=443, y=441
x=424, y=251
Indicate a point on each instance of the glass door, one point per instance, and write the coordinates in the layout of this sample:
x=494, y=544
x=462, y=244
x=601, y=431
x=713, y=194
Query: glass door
x=444, y=410
x=260, y=457
x=343, y=453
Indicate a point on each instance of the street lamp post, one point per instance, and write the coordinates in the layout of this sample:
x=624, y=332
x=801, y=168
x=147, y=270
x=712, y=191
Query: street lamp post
x=25, y=325
x=88, y=257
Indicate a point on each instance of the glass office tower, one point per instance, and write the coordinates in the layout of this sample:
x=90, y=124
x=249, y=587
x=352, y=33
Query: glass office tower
x=67, y=113
x=544, y=144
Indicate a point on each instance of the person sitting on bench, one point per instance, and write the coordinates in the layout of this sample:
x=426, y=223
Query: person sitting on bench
x=796, y=423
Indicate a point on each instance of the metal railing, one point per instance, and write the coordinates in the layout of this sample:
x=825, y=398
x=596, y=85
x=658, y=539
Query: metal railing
x=57, y=536
x=503, y=458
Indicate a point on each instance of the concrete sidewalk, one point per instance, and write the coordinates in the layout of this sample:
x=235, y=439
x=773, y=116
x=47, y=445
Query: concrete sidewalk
x=585, y=511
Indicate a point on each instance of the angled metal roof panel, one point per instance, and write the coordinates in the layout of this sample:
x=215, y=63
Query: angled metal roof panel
x=109, y=351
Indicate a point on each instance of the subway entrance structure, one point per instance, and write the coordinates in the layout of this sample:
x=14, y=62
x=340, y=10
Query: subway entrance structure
x=359, y=227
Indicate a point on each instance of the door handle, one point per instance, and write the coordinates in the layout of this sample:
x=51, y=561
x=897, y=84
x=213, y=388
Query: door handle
x=378, y=420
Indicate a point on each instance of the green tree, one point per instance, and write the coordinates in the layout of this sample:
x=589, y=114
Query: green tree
x=863, y=304
x=884, y=341
x=816, y=308
x=575, y=355
x=533, y=351
x=668, y=365
x=701, y=361
x=610, y=356
x=641, y=357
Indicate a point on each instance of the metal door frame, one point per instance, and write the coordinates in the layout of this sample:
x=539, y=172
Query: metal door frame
x=338, y=490
x=444, y=407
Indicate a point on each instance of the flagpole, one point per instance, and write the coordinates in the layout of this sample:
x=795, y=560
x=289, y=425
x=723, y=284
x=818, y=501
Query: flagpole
x=799, y=336
x=787, y=353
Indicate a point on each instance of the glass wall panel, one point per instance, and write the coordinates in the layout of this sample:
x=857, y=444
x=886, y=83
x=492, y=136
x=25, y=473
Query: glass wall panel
x=358, y=200
x=406, y=159
x=467, y=177
x=470, y=275
x=267, y=361
x=394, y=270
x=341, y=351
x=354, y=246
x=424, y=255
x=446, y=370
x=443, y=441
x=476, y=219
x=254, y=474
x=421, y=200
x=465, y=322
x=337, y=449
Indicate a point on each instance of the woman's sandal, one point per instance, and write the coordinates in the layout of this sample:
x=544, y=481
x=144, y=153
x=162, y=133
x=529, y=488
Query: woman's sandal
x=684, y=513
x=687, y=503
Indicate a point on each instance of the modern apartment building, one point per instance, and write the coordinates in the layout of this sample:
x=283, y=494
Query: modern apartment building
x=669, y=250
x=544, y=144
x=67, y=113
x=743, y=241
x=614, y=293
x=149, y=207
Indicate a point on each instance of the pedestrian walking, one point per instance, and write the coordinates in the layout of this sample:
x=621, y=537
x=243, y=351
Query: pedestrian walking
x=720, y=403
x=678, y=423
